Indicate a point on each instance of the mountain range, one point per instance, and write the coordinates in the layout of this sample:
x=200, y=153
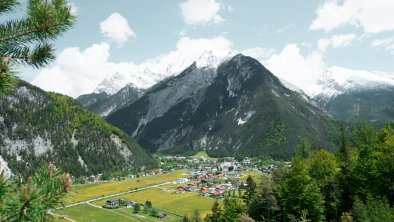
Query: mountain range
x=338, y=90
x=230, y=106
x=239, y=108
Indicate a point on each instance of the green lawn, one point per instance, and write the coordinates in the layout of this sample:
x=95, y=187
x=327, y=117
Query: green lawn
x=203, y=154
x=86, y=213
x=254, y=174
x=94, y=190
x=178, y=203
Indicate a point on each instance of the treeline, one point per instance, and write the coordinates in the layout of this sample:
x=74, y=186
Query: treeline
x=355, y=184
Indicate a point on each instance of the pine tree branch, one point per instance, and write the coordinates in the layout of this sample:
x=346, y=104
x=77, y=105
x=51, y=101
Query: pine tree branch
x=7, y=5
x=39, y=56
x=28, y=33
x=46, y=20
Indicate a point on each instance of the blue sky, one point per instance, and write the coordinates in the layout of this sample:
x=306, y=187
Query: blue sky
x=305, y=37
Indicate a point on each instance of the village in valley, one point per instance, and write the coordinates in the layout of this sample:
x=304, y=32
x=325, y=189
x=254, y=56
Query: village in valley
x=199, y=180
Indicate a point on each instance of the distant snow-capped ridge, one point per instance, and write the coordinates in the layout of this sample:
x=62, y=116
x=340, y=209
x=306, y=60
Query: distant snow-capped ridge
x=338, y=80
x=141, y=79
x=332, y=82
x=149, y=73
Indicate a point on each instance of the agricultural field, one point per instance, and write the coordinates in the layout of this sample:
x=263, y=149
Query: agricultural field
x=95, y=190
x=257, y=176
x=162, y=199
x=203, y=154
x=87, y=213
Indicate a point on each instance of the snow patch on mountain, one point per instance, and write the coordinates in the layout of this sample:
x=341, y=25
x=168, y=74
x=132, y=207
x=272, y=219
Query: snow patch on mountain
x=338, y=80
x=290, y=86
x=140, y=78
x=245, y=118
x=149, y=73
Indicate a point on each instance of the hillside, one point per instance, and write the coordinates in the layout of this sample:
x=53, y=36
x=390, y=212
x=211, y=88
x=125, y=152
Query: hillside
x=37, y=127
x=374, y=105
x=240, y=108
x=104, y=104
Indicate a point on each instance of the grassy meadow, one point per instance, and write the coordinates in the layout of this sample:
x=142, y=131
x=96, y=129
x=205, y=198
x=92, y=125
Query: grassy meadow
x=95, y=190
x=86, y=213
x=203, y=154
x=180, y=204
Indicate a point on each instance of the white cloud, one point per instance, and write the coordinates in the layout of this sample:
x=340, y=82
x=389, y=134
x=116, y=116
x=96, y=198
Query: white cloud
x=311, y=74
x=387, y=44
x=336, y=41
x=258, y=53
x=382, y=42
x=390, y=48
x=198, y=12
x=292, y=66
x=117, y=28
x=372, y=15
x=189, y=50
x=76, y=72
x=284, y=28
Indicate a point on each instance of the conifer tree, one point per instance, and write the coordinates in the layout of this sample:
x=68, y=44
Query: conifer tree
x=185, y=219
x=27, y=41
x=31, y=200
x=196, y=217
x=216, y=212
x=250, y=190
x=345, y=178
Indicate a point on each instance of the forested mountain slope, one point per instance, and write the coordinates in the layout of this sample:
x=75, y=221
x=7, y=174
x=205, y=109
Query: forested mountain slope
x=37, y=127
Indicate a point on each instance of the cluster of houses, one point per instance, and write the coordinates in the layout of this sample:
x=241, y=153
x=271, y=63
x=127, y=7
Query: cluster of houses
x=211, y=179
x=204, y=168
x=215, y=191
x=120, y=203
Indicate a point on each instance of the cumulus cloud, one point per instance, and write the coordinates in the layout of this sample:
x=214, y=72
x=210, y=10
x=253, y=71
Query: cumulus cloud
x=386, y=43
x=188, y=50
x=258, y=53
x=198, y=12
x=291, y=66
x=373, y=16
x=284, y=28
x=76, y=72
x=336, y=41
x=382, y=42
x=117, y=28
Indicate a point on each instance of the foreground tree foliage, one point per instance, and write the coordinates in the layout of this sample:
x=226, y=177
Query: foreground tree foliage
x=300, y=194
x=264, y=205
x=26, y=41
x=31, y=199
x=355, y=185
